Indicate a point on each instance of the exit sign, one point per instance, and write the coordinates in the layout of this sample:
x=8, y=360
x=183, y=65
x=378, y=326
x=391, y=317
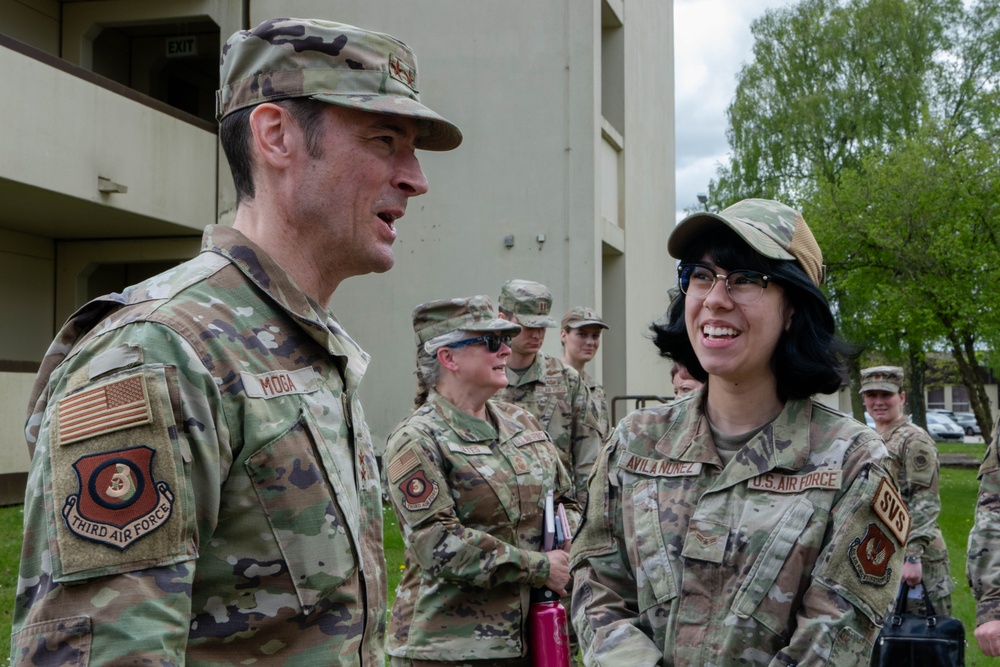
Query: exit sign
x=179, y=47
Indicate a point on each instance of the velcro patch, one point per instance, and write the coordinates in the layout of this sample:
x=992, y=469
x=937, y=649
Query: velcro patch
x=554, y=389
x=657, y=468
x=527, y=438
x=110, y=407
x=280, y=383
x=401, y=465
x=470, y=450
x=921, y=461
x=118, y=501
x=418, y=491
x=889, y=507
x=779, y=483
x=870, y=556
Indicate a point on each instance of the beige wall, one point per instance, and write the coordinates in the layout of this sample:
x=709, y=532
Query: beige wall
x=34, y=22
x=522, y=78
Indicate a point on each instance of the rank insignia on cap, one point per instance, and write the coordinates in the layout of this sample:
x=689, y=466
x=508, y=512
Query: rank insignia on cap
x=418, y=491
x=401, y=72
x=110, y=407
x=870, y=556
x=118, y=500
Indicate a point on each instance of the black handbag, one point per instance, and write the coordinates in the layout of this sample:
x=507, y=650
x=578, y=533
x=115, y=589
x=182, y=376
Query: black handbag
x=913, y=640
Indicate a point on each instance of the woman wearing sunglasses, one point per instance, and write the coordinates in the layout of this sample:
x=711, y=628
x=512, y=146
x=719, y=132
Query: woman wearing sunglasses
x=468, y=479
x=745, y=523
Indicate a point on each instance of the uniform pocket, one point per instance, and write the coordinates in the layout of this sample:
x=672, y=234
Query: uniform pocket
x=654, y=575
x=302, y=508
x=64, y=641
x=760, y=582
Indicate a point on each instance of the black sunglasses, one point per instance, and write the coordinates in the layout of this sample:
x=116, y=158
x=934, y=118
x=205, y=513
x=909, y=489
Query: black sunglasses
x=493, y=342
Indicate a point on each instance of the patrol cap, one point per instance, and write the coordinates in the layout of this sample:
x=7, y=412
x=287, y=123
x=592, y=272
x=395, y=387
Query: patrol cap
x=769, y=227
x=882, y=378
x=530, y=302
x=474, y=313
x=331, y=62
x=581, y=316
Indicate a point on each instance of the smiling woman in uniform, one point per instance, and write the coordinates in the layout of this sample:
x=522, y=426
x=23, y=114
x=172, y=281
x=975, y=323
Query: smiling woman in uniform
x=745, y=523
x=468, y=477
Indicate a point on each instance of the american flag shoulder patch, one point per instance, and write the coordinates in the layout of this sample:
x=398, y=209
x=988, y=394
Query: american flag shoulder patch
x=110, y=407
x=401, y=465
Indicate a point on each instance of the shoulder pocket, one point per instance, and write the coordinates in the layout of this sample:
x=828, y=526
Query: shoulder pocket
x=304, y=505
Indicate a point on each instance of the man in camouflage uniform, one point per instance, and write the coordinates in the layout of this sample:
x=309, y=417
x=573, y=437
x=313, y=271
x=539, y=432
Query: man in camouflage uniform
x=203, y=488
x=469, y=492
x=581, y=339
x=983, y=565
x=914, y=458
x=546, y=387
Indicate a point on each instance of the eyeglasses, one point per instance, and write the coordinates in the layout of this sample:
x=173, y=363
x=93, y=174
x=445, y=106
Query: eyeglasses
x=493, y=342
x=697, y=280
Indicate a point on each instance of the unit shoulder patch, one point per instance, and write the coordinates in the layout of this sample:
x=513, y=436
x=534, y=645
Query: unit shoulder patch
x=890, y=508
x=870, y=556
x=118, y=501
x=418, y=491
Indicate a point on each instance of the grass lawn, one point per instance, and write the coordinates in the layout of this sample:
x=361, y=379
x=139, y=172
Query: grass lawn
x=958, y=499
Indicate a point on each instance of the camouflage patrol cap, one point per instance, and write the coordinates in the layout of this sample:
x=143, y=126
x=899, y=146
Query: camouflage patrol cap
x=581, y=316
x=531, y=302
x=331, y=62
x=882, y=378
x=769, y=227
x=474, y=313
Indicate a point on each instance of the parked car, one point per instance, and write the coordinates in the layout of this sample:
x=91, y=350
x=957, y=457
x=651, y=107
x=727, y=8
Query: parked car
x=943, y=427
x=967, y=421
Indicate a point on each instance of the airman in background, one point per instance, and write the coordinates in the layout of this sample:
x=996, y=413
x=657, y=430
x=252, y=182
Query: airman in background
x=914, y=457
x=545, y=386
x=581, y=339
x=983, y=564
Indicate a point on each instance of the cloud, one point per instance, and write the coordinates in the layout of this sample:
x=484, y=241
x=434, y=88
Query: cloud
x=712, y=41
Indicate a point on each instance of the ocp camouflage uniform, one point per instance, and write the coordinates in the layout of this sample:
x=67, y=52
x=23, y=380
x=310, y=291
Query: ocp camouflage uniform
x=915, y=463
x=554, y=393
x=470, y=497
x=598, y=405
x=983, y=564
x=203, y=488
x=791, y=554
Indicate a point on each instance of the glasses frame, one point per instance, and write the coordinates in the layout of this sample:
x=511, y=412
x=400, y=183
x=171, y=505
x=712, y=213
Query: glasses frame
x=766, y=279
x=487, y=339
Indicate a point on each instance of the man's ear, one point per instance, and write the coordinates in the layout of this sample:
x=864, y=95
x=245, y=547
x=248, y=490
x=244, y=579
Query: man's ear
x=275, y=134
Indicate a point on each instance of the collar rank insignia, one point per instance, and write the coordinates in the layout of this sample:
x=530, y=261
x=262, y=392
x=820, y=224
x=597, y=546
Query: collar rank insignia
x=118, y=500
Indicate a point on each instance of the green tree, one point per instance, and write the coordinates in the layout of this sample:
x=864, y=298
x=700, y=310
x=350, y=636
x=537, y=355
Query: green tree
x=876, y=118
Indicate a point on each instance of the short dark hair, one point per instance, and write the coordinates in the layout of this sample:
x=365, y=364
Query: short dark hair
x=235, y=136
x=809, y=357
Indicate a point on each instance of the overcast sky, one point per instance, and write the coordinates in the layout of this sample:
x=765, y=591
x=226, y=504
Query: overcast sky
x=711, y=42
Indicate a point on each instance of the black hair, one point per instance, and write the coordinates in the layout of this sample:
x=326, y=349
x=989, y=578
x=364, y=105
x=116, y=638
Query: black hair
x=809, y=356
x=235, y=137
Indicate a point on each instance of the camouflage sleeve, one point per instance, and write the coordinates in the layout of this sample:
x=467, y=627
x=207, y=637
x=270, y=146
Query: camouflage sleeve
x=605, y=604
x=115, y=580
x=858, y=571
x=435, y=536
x=982, y=566
x=924, y=502
x=586, y=440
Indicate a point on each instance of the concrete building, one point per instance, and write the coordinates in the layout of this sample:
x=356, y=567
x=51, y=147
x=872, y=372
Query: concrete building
x=111, y=170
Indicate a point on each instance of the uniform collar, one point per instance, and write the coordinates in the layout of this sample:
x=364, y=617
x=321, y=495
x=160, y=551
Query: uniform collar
x=473, y=429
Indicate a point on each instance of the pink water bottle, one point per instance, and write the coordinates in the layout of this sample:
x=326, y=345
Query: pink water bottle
x=548, y=631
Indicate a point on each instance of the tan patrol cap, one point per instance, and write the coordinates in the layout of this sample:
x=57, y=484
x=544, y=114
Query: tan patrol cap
x=530, y=302
x=882, y=378
x=330, y=62
x=581, y=316
x=769, y=227
x=474, y=313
